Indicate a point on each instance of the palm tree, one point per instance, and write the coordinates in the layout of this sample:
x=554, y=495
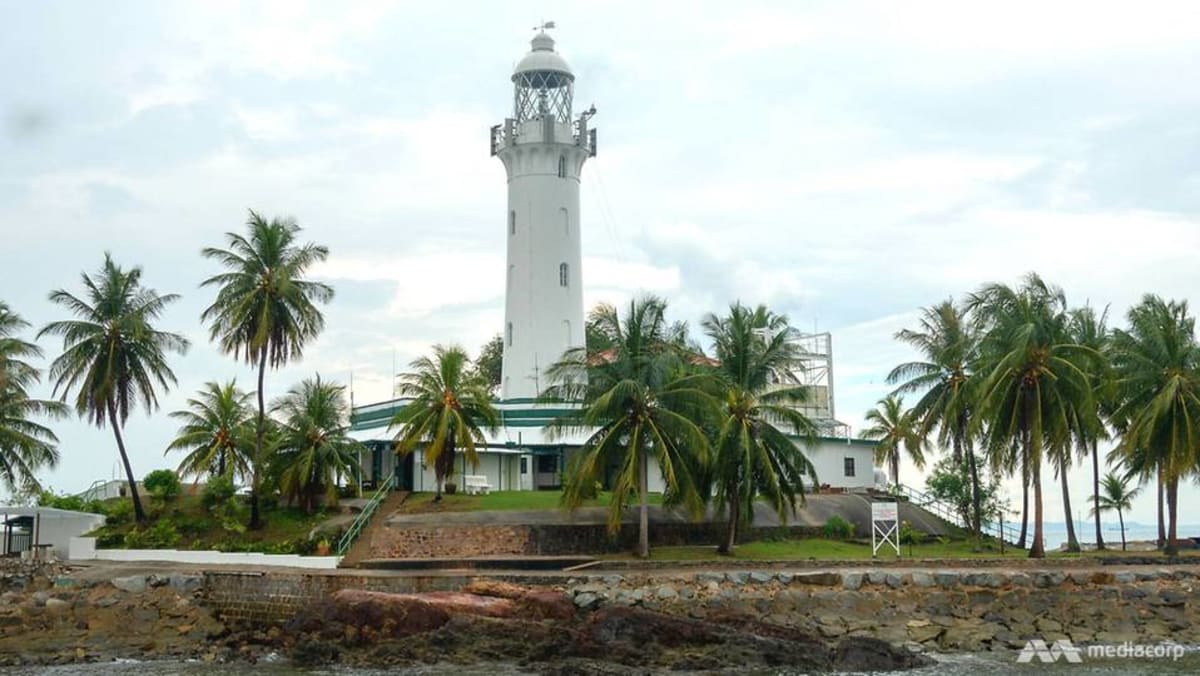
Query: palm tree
x=1117, y=496
x=449, y=409
x=896, y=429
x=112, y=354
x=315, y=448
x=1157, y=363
x=216, y=430
x=948, y=347
x=265, y=309
x=25, y=446
x=639, y=402
x=1091, y=331
x=758, y=357
x=1032, y=377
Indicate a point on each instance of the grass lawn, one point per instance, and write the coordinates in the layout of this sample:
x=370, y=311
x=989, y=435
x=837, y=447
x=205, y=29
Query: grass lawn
x=185, y=523
x=831, y=550
x=419, y=503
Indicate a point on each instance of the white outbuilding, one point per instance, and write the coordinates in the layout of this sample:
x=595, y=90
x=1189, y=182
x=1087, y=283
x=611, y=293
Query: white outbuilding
x=41, y=531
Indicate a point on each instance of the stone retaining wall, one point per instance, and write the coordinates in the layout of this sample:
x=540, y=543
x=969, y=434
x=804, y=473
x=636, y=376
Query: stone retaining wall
x=420, y=542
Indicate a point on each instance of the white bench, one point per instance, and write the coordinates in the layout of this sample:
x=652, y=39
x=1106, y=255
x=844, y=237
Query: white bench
x=475, y=484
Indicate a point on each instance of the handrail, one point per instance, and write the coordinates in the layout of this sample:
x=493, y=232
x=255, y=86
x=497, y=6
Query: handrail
x=948, y=513
x=86, y=496
x=364, y=517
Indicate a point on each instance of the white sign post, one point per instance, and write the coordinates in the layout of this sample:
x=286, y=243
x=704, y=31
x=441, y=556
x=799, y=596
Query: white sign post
x=885, y=526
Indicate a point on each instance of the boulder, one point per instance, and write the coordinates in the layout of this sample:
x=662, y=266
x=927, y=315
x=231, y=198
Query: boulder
x=403, y=614
x=545, y=604
x=920, y=579
x=759, y=577
x=134, y=584
x=852, y=581
x=821, y=579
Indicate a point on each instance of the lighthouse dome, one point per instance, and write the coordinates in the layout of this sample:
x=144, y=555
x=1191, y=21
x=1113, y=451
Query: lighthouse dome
x=542, y=59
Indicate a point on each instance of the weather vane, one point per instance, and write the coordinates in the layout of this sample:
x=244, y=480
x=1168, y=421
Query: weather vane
x=543, y=26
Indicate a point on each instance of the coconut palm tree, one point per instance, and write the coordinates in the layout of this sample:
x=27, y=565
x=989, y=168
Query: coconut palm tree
x=758, y=356
x=1116, y=496
x=449, y=410
x=1091, y=330
x=25, y=446
x=1157, y=364
x=113, y=356
x=947, y=344
x=315, y=448
x=1032, y=377
x=265, y=311
x=217, y=432
x=640, y=400
x=897, y=430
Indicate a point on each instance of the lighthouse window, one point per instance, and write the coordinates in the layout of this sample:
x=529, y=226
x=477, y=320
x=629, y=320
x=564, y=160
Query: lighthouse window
x=508, y=334
x=562, y=166
x=512, y=222
x=564, y=273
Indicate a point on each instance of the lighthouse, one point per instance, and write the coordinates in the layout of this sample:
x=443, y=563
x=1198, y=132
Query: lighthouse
x=543, y=147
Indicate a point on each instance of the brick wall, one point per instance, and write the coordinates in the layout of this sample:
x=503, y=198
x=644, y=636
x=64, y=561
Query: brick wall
x=276, y=597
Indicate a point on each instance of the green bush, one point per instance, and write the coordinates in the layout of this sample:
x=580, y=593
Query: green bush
x=118, y=513
x=57, y=501
x=837, y=528
x=161, y=535
x=162, y=484
x=217, y=491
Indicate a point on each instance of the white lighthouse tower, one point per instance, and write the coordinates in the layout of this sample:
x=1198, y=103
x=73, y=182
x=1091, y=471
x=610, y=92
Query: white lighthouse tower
x=543, y=149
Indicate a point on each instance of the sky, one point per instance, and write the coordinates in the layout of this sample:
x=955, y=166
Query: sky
x=845, y=163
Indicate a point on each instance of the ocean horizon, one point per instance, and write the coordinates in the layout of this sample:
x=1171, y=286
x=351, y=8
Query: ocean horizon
x=1055, y=532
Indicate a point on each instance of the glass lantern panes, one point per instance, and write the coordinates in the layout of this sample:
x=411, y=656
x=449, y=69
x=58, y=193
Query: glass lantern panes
x=543, y=92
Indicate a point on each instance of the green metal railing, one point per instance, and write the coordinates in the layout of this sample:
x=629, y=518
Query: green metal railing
x=364, y=517
x=947, y=513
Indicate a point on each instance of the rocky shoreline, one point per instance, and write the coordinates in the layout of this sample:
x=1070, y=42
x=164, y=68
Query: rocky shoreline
x=846, y=620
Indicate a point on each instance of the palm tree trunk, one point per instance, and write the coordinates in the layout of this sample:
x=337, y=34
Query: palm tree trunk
x=1172, y=547
x=735, y=508
x=1162, y=532
x=1037, y=550
x=644, y=516
x=895, y=466
x=1121, y=518
x=1096, y=498
x=976, y=506
x=260, y=429
x=1024, y=507
x=138, y=512
x=1072, y=541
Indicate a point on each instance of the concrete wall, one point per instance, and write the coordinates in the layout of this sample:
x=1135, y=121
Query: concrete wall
x=83, y=549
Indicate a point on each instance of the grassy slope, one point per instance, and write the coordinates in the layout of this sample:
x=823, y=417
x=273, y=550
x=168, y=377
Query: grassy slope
x=198, y=529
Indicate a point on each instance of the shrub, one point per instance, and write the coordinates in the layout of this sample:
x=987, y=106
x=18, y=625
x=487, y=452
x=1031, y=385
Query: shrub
x=162, y=484
x=118, y=513
x=159, y=536
x=57, y=501
x=837, y=528
x=217, y=491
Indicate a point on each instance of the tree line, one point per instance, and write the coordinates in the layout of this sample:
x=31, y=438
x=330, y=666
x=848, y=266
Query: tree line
x=1014, y=380
x=115, y=357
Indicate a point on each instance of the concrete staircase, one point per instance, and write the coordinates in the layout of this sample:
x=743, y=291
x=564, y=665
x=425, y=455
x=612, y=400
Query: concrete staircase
x=361, y=549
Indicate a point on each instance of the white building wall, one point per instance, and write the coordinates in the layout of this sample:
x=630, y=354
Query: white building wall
x=543, y=318
x=828, y=458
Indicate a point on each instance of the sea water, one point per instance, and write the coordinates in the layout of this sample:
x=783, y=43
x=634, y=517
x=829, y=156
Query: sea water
x=959, y=664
